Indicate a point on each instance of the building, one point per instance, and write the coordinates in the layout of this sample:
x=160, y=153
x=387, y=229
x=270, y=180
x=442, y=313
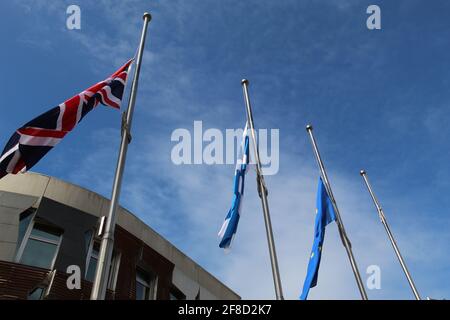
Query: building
x=48, y=226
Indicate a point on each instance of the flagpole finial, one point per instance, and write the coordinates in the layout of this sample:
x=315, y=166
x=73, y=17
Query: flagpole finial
x=148, y=16
x=309, y=127
x=362, y=172
x=244, y=81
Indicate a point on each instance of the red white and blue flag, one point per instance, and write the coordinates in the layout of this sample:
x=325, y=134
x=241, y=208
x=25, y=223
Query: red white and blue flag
x=32, y=141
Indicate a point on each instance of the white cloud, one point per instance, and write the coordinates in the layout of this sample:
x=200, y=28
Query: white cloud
x=191, y=206
x=187, y=204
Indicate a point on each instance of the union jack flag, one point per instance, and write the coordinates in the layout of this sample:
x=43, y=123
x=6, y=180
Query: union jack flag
x=32, y=141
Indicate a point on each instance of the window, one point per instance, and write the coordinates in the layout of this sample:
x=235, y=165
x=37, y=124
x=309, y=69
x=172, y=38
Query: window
x=92, y=261
x=114, y=270
x=40, y=245
x=25, y=218
x=176, y=294
x=36, y=294
x=197, y=297
x=87, y=239
x=145, y=285
x=24, y=222
x=93, y=252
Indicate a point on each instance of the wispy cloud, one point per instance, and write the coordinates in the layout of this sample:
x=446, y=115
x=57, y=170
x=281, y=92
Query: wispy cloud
x=301, y=69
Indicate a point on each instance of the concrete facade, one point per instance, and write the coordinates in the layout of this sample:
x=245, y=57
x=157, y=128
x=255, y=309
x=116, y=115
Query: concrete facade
x=22, y=191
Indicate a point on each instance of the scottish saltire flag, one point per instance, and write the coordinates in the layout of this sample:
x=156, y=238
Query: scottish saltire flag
x=32, y=141
x=324, y=215
x=230, y=224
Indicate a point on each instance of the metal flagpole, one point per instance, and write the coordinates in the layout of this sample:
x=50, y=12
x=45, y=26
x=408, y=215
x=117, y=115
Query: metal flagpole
x=262, y=190
x=390, y=235
x=342, y=233
x=106, y=248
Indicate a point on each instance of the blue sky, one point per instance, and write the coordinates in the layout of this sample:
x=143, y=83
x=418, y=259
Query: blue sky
x=378, y=100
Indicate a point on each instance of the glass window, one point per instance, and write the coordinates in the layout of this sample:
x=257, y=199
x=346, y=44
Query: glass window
x=41, y=247
x=87, y=240
x=141, y=291
x=25, y=219
x=114, y=270
x=176, y=294
x=46, y=233
x=197, y=297
x=36, y=294
x=93, y=259
x=145, y=286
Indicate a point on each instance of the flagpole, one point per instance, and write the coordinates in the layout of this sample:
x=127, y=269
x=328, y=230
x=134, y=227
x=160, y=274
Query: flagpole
x=390, y=235
x=102, y=271
x=262, y=190
x=342, y=233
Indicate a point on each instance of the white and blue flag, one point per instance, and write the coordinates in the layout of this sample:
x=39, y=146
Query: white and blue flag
x=230, y=224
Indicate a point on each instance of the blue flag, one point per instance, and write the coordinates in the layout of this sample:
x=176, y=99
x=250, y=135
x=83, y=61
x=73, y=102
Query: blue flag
x=324, y=215
x=229, y=226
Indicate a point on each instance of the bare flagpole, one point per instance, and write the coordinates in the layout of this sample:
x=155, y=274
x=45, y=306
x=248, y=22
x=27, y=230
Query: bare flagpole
x=345, y=241
x=102, y=271
x=262, y=190
x=390, y=235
